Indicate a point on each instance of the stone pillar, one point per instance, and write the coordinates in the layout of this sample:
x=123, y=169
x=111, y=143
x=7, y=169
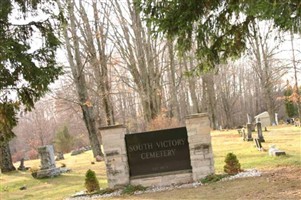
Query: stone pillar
x=115, y=155
x=249, y=129
x=199, y=139
x=259, y=131
x=48, y=168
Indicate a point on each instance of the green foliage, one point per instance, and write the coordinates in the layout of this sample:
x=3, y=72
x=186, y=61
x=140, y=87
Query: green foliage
x=91, y=181
x=290, y=107
x=131, y=189
x=63, y=141
x=105, y=191
x=25, y=72
x=232, y=164
x=216, y=26
x=211, y=178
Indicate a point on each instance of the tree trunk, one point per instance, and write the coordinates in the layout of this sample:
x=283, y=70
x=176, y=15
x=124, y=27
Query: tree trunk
x=77, y=66
x=296, y=88
x=191, y=85
x=264, y=67
x=6, y=163
x=136, y=47
x=95, y=48
x=175, y=108
x=103, y=80
x=211, y=99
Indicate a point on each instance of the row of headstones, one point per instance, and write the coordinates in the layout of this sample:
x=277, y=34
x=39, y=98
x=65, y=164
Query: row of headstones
x=248, y=136
x=273, y=151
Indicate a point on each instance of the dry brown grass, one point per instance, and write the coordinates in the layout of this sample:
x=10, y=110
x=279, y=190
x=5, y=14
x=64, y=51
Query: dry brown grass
x=280, y=183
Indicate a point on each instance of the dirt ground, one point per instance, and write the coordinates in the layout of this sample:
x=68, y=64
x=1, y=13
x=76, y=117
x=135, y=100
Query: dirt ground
x=280, y=183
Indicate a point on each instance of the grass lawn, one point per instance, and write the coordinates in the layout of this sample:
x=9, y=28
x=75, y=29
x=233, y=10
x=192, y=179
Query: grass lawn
x=287, y=138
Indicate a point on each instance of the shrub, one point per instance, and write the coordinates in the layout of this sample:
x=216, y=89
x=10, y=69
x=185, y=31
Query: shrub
x=63, y=141
x=232, y=164
x=105, y=191
x=91, y=181
x=131, y=189
x=211, y=178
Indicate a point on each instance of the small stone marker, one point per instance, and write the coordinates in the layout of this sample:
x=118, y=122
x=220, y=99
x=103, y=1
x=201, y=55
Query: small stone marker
x=23, y=188
x=258, y=144
x=22, y=167
x=48, y=168
x=249, y=129
x=259, y=131
x=273, y=151
x=60, y=156
x=244, y=135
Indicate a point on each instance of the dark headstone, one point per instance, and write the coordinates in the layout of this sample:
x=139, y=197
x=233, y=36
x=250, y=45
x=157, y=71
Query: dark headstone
x=249, y=129
x=258, y=144
x=279, y=153
x=22, y=167
x=259, y=131
x=23, y=188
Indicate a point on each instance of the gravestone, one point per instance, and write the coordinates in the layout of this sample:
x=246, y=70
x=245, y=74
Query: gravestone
x=273, y=151
x=276, y=119
x=258, y=144
x=259, y=131
x=22, y=167
x=249, y=129
x=59, y=156
x=244, y=135
x=264, y=119
x=48, y=168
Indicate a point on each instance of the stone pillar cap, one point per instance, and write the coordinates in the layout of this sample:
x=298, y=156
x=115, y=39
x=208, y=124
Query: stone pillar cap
x=112, y=127
x=197, y=115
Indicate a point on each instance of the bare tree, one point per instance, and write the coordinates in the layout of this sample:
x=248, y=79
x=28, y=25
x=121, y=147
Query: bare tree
x=175, y=107
x=210, y=97
x=72, y=44
x=266, y=67
x=139, y=53
x=297, y=95
x=95, y=38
